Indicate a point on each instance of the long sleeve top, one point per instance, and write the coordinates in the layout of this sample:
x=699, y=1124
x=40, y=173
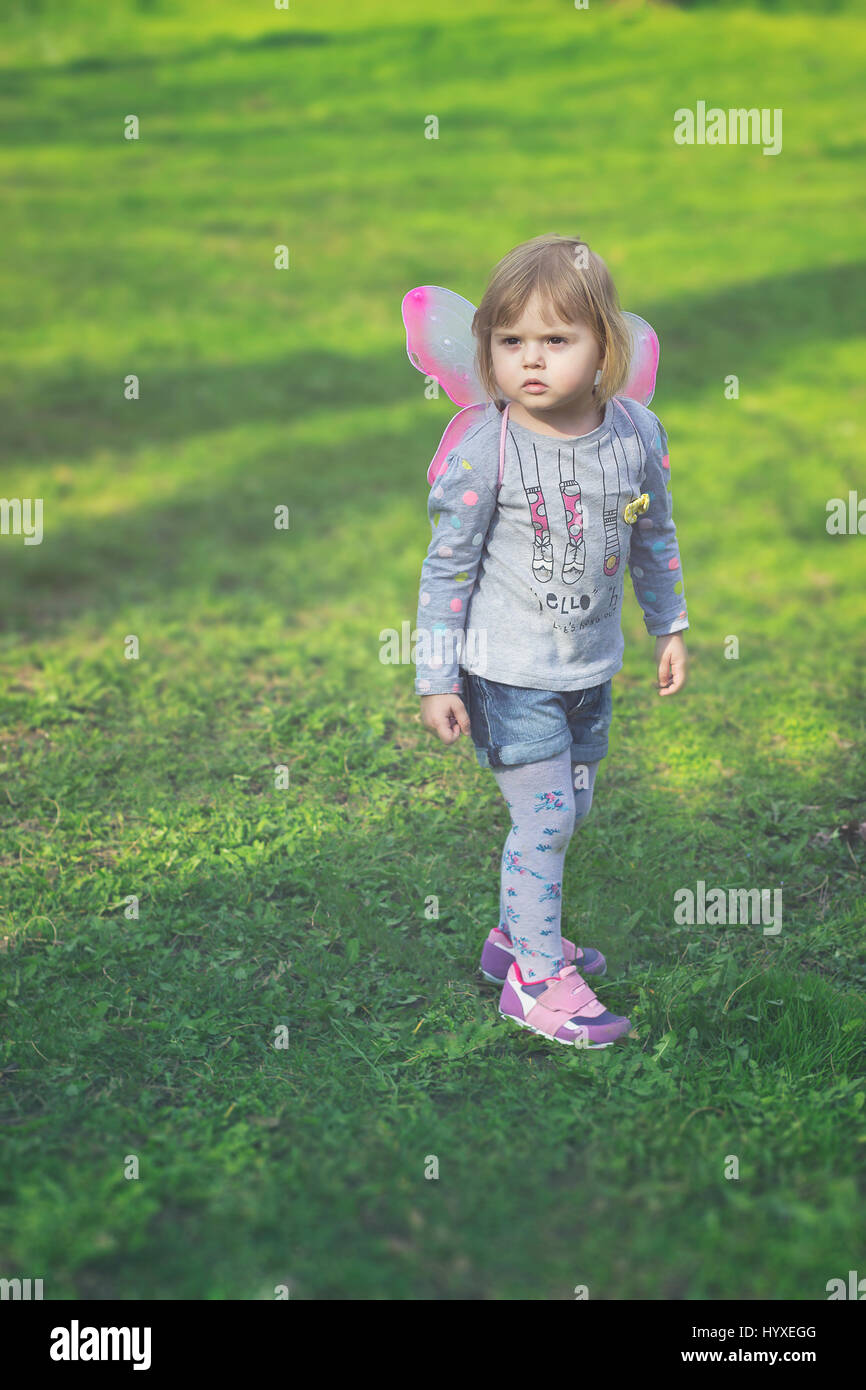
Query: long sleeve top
x=523, y=583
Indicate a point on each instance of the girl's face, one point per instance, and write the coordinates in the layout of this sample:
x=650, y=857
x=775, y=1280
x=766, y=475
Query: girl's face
x=563, y=357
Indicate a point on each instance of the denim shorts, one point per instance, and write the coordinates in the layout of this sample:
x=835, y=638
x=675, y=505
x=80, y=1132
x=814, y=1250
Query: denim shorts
x=513, y=724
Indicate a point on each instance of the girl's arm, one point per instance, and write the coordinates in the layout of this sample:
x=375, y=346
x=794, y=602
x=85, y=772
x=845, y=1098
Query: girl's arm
x=654, y=557
x=460, y=508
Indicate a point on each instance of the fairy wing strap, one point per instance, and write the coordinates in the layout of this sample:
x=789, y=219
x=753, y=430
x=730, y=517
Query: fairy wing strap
x=439, y=342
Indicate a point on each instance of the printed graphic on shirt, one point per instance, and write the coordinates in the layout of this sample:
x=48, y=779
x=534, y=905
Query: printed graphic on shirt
x=612, y=486
x=574, y=559
x=542, y=546
x=617, y=482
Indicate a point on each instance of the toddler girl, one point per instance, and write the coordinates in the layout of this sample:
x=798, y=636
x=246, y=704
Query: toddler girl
x=521, y=591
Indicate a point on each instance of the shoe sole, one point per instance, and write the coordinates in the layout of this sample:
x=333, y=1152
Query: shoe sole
x=581, y=1046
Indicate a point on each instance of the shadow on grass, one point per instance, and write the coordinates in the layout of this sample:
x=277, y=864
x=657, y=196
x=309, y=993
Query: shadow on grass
x=102, y=63
x=752, y=323
x=216, y=528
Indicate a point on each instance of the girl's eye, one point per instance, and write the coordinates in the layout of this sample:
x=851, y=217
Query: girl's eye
x=554, y=338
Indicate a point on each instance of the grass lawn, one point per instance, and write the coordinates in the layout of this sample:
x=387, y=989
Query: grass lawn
x=170, y=906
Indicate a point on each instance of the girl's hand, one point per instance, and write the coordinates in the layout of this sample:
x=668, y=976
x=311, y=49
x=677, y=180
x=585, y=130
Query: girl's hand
x=445, y=715
x=672, y=660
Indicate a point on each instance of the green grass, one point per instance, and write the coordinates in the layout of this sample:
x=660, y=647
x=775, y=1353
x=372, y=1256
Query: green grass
x=153, y=1035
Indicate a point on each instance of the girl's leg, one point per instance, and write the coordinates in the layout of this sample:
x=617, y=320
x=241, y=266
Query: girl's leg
x=540, y=798
x=530, y=906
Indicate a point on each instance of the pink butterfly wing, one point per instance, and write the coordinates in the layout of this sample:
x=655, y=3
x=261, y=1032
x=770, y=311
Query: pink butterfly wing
x=454, y=432
x=644, y=365
x=439, y=341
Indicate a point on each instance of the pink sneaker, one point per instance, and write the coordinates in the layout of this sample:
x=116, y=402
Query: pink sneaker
x=498, y=953
x=562, y=1007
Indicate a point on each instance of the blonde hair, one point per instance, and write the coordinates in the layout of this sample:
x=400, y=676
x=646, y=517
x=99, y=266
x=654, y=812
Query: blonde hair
x=576, y=282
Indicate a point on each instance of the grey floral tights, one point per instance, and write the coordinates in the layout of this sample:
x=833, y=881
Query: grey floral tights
x=548, y=800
